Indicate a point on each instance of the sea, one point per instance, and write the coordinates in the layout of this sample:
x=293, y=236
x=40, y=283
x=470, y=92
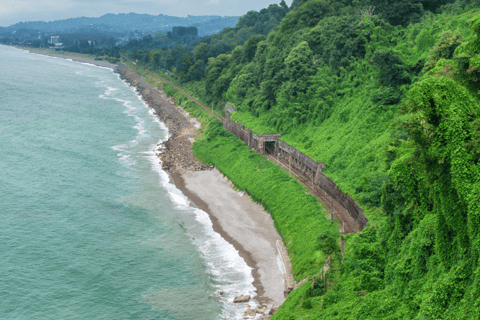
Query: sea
x=91, y=227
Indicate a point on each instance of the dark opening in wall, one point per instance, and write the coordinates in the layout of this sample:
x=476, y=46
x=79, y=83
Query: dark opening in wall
x=269, y=147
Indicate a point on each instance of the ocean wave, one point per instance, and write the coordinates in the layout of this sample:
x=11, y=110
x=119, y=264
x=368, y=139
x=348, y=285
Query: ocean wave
x=130, y=111
x=124, y=155
x=229, y=271
x=226, y=268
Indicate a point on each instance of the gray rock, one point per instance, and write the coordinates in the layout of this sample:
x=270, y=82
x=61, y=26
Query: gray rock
x=240, y=299
x=250, y=312
x=260, y=310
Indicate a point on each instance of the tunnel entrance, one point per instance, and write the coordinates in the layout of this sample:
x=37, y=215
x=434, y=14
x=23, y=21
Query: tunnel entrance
x=270, y=147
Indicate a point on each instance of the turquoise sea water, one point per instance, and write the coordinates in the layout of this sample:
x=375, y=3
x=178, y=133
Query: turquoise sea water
x=91, y=227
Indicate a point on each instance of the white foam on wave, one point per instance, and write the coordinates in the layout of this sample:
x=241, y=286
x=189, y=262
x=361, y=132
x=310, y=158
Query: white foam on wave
x=124, y=155
x=150, y=110
x=110, y=91
x=82, y=62
x=130, y=111
x=229, y=271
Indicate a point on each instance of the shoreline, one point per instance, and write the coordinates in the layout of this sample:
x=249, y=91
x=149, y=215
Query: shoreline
x=245, y=225
x=179, y=182
x=48, y=52
x=180, y=163
x=184, y=169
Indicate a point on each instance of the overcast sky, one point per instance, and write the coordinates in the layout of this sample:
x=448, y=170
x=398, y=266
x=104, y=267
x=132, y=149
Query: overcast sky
x=13, y=11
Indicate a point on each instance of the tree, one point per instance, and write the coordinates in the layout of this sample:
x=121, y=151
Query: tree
x=444, y=48
x=197, y=71
x=251, y=46
x=247, y=20
x=295, y=3
x=214, y=70
x=392, y=72
x=184, y=64
x=174, y=55
x=335, y=40
x=299, y=66
x=201, y=52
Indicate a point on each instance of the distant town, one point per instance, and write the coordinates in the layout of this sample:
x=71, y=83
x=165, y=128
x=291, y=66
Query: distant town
x=109, y=30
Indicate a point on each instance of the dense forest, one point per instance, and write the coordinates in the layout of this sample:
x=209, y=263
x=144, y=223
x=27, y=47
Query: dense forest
x=386, y=94
x=190, y=62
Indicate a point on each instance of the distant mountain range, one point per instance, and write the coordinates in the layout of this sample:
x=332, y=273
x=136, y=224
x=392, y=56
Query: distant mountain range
x=120, y=23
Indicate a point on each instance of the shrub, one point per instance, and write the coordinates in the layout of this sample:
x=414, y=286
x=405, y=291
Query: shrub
x=447, y=42
x=327, y=243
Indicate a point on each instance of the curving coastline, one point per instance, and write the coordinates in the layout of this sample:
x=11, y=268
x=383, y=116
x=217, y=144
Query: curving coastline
x=235, y=217
x=50, y=53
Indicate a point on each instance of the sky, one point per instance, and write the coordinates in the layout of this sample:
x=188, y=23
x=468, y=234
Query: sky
x=13, y=11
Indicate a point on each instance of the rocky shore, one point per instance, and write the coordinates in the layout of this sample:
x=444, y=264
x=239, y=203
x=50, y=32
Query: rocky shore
x=235, y=217
x=177, y=155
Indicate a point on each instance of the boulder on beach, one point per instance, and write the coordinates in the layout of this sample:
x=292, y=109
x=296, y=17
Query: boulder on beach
x=240, y=299
x=250, y=312
x=260, y=310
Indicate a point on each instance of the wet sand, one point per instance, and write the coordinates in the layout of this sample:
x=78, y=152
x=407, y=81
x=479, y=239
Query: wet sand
x=242, y=223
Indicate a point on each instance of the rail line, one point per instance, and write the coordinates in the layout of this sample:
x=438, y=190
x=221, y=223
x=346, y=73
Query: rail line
x=348, y=224
x=173, y=85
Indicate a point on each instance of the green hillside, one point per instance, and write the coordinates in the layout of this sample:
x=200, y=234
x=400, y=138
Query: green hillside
x=386, y=94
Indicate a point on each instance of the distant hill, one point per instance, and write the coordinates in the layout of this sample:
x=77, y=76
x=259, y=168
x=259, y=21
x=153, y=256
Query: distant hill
x=119, y=23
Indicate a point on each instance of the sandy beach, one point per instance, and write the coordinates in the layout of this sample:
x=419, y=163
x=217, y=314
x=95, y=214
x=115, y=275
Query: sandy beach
x=244, y=224
x=234, y=215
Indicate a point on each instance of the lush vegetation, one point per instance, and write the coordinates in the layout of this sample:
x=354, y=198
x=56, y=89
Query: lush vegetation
x=386, y=94
x=190, y=62
x=294, y=210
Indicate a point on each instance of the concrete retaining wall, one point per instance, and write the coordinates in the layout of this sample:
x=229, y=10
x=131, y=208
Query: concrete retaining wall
x=307, y=166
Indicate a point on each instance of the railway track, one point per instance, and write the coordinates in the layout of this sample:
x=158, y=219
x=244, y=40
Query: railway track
x=336, y=209
x=173, y=85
